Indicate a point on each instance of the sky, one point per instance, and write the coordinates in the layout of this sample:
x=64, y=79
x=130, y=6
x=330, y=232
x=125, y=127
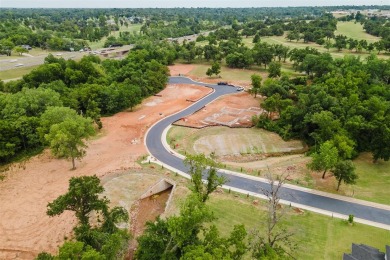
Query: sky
x=181, y=3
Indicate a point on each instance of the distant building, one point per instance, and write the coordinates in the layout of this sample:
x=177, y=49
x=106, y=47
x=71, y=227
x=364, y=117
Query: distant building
x=365, y=252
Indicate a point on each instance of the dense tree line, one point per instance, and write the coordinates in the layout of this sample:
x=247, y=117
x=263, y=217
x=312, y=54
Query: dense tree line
x=62, y=29
x=346, y=103
x=90, y=88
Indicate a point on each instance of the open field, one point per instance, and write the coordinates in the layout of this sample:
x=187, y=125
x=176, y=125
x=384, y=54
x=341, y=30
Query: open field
x=301, y=45
x=317, y=236
x=225, y=141
x=355, y=31
x=374, y=180
x=227, y=73
x=99, y=44
x=16, y=73
x=32, y=52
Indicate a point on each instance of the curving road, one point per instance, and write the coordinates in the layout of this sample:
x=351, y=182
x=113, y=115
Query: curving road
x=369, y=214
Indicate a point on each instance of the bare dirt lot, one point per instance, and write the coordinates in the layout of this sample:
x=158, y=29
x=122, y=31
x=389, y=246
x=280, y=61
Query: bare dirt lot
x=24, y=227
x=233, y=111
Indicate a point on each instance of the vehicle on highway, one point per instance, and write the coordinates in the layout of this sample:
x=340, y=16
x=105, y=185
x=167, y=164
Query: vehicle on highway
x=19, y=65
x=222, y=83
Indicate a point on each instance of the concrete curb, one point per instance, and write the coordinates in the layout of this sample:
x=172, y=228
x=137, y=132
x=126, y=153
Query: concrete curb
x=261, y=196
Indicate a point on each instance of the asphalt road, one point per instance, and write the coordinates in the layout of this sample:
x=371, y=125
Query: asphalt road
x=157, y=150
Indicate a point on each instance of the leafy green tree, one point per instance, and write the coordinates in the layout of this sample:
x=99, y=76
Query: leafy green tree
x=293, y=35
x=186, y=236
x=54, y=115
x=340, y=42
x=239, y=59
x=215, y=247
x=201, y=165
x=262, y=53
x=67, y=138
x=82, y=198
x=20, y=50
x=6, y=46
x=215, y=69
x=256, y=39
x=256, y=84
x=345, y=171
x=274, y=69
x=77, y=250
x=166, y=239
x=326, y=124
x=325, y=159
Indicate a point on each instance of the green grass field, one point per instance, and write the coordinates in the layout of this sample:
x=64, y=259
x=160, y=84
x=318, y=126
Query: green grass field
x=317, y=236
x=99, y=44
x=355, y=31
x=15, y=73
x=228, y=73
x=374, y=180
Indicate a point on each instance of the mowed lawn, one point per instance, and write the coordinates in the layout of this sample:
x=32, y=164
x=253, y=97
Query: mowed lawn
x=374, y=180
x=355, y=31
x=131, y=28
x=15, y=73
x=317, y=236
x=228, y=73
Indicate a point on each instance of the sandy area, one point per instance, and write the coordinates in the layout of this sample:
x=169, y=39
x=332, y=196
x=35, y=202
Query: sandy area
x=25, y=229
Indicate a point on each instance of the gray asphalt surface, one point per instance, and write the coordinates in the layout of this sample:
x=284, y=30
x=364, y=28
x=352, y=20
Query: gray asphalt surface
x=157, y=150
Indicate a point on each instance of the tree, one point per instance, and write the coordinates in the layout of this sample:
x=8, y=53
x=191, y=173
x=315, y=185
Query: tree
x=293, y=35
x=274, y=69
x=67, y=138
x=186, y=236
x=166, y=239
x=256, y=39
x=215, y=247
x=340, y=42
x=328, y=45
x=345, y=171
x=78, y=250
x=277, y=242
x=20, y=50
x=325, y=159
x=215, y=69
x=262, y=53
x=82, y=198
x=6, y=46
x=200, y=165
x=256, y=84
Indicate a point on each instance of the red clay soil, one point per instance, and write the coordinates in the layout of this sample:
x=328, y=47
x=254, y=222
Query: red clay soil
x=147, y=209
x=25, y=229
x=231, y=110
